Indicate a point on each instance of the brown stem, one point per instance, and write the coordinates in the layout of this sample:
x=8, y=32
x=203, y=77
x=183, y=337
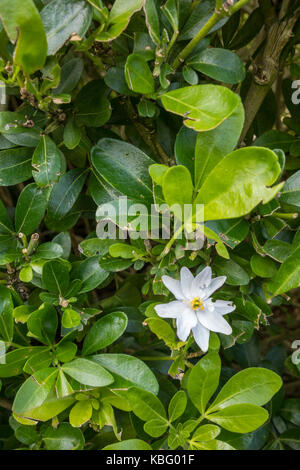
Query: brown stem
x=266, y=66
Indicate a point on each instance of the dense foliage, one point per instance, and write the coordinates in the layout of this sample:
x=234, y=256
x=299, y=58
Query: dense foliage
x=163, y=101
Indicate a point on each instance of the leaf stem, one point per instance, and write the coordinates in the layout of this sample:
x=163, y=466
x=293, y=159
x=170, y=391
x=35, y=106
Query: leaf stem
x=220, y=12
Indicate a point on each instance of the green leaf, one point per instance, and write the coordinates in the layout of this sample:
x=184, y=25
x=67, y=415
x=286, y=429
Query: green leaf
x=65, y=193
x=80, y=413
x=70, y=318
x=235, y=274
x=88, y=373
x=23, y=25
x=220, y=64
x=185, y=147
x=238, y=183
x=34, y=391
x=12, y=364
x=212, y=146
x=204, y=106
x=51, y=407
x=62, y=19
x=288, y=275
x=43, y=323
x=138, y=75
x=128, y=371
x=72, y=134
x=49, y=250
x=145, y=405
x=152, y=20
x=125, y=167
x=64, y=437
x=30, y=209
x=290, y=193
x=90, y=273
x=263, y=267
x=55, y=277
x=92, y=107
x=15, y=166
x=119, y=18
x=6, y=314
x=26, y=274
x=203, y=380
x=163, y=331
x=254, y=386
x=46, y=162
x=242, y=418
x=104, y=332
x=177, y=405
x=130, y=444
x=156, y=427
x=175, y=177
x=206, y=433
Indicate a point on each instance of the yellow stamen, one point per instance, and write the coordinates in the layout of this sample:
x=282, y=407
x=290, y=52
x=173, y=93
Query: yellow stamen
x=196, y=303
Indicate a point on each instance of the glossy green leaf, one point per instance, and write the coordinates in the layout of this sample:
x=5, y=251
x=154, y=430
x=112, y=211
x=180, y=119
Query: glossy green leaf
x=34, y=391
x=128, y=371
x=80, y=413
x=125, y=167
x=177, y=405
x=72, y=134
x=204, y=106
x=88, y=373
x=43, y=323
x=92, y=107
x=173, y=178
x=240, y=418
x=46, y=162
x=238, y=183
x=203, y=380
x=15, y=166
x=6, y=314
x=30, y=209
x=90, y=273
x=263, y=267
x=65, y=193
x=288, y=275
x=55, y=277
x=138, y=75
x=219, y=64
x=290, y=193
x=119, y=18
x=130, y=444
x=23, y=25
x=104, y=332
x=212, y=146
x=253, y=385
x=64, y=437
x=62, y=19
x=145, y=405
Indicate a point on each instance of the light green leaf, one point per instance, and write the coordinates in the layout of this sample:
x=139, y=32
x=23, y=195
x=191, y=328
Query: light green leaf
x=119, y=18
x=288, y=275
x=128, y=371
x=23, y=25
x=177, y=405
x=204, y=106
x=34, y=391
x=254, y=386
x=130, y=444
x=203, y=380
x=64, y=437
x=145, y=405
x=238, y=183
x=174, y=178
x=80, y=413
x=138, y=75
x=88, y=373
x=242, y=418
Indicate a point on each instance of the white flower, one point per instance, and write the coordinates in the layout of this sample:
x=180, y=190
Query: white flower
x=193, y=308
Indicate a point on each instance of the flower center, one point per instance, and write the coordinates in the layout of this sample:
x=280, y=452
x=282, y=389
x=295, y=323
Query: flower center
x=196, y=303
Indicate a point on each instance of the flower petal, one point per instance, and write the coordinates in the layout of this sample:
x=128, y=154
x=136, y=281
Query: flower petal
x=170, y=310
x=201, y=336
x=214, y=322
x=185, y=322
x=201, y=281
x=173, y=286
x=222, y=307
x=214, y=285
x=186, y=279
